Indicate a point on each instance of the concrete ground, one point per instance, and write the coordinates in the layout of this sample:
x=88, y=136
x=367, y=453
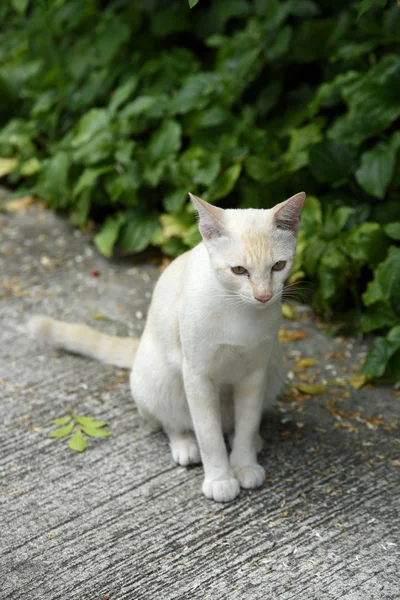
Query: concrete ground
x=119, y=520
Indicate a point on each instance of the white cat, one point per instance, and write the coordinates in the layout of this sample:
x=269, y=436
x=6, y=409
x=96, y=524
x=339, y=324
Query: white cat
x=209, y=361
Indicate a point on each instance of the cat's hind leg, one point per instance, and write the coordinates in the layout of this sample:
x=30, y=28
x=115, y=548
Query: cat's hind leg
x=160, y=397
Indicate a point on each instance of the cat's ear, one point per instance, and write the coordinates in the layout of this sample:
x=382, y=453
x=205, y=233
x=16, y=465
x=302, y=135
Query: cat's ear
x=287, y=214
x=210, y=219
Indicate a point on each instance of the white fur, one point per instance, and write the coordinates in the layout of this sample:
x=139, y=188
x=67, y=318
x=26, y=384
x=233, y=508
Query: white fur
x=209, y=361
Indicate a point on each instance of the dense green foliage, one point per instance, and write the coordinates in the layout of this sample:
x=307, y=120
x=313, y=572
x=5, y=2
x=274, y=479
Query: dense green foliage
x=117, y=109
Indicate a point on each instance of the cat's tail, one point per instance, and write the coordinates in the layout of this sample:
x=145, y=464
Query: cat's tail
x=84, y=340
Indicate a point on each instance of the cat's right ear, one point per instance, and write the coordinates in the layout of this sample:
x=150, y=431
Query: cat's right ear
x=210, y=219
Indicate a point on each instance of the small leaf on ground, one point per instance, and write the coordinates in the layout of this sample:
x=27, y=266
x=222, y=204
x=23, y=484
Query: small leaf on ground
x=94, y=431
x=62, y=431
x=99, y=317
x=305, y=363
x=77, y=442
x=313, y=389
x=357, y=381
x=83, y=420
x=292, y=335
x=288, y=312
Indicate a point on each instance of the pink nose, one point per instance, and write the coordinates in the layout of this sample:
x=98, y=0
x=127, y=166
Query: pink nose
x=263, y=298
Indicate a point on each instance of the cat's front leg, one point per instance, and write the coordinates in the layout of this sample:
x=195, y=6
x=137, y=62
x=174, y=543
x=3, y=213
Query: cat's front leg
x=248, y=401
x=203, y=397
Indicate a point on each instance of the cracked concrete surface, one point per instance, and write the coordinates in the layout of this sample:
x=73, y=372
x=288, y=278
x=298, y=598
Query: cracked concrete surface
x=120, y=520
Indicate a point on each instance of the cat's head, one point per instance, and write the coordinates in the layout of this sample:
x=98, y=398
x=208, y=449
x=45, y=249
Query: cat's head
x=252, y=251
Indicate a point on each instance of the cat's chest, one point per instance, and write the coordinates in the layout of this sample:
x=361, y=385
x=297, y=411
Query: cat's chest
x=229, y=363
x=246, y=330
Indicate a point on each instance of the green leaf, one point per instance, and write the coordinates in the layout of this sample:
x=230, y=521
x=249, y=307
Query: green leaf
x=224, y=184
x=192, y=236
x=62, y=431
x=208, y=171
x=301, y=139
x=88, y=178
x=91, y=124
x=377, y=316
x=53, y=183
x=393, y=368
x=111, y=33
x=335, y=259
x=378, y=357
x=93, y=431
x=376, y=170
x=195, y=93
x=312, y=254
x=31, y=167
x=394, y=336
x=366, y=243
x=20, y=5
x=82, y=420
x=138, y=230
x=280, y=44
x=122, y=187
x=137, y=107
x=372, y=101
x=386, y=282
x=61, y=421
x=328, y=281
x=77, y=442
x=331, y=162
x=261, y=169
x=8, y=165
x=393, y=230
x=122, y=93
x=311, y=216
x=336, y=222
x=165, y=142
x=174, y=201
x=192, y=3
x=108, y=234
x=173, y=247
x=90, y=422
x=80, y=212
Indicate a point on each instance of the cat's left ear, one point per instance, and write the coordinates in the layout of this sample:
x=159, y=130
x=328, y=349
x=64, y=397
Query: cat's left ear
x=210, y=219
x=287, y=214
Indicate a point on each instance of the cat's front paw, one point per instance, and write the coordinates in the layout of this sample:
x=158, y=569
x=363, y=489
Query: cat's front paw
x=250, y=476
x=221, y=490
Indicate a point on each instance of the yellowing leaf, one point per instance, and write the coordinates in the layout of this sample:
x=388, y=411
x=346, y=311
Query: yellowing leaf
x=305, y=363
x=357, y=381
x=288, y=312
x=8, y=165
x=312, y=389
x=292, y=335
x=99, y=317
x=296, y=277
x=20, y=204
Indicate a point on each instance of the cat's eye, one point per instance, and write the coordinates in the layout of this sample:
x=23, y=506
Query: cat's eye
x=239, y=270
x=278, y=266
